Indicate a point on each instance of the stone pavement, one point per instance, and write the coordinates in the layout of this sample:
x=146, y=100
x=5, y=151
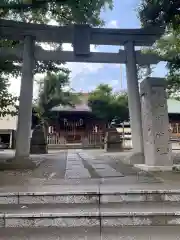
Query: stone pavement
x=75, y=164
x=82, y=165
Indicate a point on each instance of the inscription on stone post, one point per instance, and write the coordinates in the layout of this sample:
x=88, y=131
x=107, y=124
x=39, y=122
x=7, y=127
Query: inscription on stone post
x=155, y=121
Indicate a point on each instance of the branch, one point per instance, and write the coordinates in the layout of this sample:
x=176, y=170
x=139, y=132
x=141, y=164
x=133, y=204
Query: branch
x=27, y=5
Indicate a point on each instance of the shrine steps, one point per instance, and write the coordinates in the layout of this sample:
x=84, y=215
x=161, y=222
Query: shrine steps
x=89, y=206
x=89, y=215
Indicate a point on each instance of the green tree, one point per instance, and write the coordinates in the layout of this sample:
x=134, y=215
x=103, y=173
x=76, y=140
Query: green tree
x=52, y=93
x=143, y=72
x=160, y=12
x=108, y=105
x=168, y=47
x=8, y=102
x=165, y=13
x=62, y=12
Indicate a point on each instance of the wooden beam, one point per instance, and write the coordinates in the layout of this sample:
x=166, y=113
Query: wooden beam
x=99, y=36
x=68, y=56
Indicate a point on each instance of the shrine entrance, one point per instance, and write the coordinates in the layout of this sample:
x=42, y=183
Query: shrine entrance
x=72, y=130
x=74, y=127
x=81, y=37
x=66, y=131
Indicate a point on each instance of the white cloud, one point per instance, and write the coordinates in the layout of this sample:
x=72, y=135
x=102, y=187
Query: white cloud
x=84, y=68
x=114, y=83
x=113, y=24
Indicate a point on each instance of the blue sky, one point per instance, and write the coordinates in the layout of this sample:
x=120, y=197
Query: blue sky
x=86, y=76
x=123, y=16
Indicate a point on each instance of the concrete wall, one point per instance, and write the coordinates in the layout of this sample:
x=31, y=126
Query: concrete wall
x=8, y=122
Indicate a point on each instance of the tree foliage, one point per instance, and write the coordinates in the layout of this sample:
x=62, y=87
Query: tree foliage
x=108, y=105
x=52, y=93
x=165, y=13
x=62, y=11
x=143, y=72
x=8, y=102
x=168, y=47
x=160, y=12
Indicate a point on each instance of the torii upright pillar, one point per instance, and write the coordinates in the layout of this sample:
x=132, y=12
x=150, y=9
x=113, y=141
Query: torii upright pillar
x=134, y=105
x=25, y=104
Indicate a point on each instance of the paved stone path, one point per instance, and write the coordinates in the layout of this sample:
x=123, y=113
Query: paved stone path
x=82, y=164
x=76, y=164
x=75, y=167
x=100, y=166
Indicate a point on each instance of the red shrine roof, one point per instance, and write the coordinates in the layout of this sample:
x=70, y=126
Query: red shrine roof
x=80, y=107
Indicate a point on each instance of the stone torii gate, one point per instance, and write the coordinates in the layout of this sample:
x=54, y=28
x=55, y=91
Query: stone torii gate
x=80, y=36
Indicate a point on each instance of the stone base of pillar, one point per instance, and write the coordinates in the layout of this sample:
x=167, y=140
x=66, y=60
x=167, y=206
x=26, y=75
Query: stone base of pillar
x=135, y=158
x=39, y=149
x=148, y=168
x=19, y=164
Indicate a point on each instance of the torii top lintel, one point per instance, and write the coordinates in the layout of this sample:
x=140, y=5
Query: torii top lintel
x=100, y=36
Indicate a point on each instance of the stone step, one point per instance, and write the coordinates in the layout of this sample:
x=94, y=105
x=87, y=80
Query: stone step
x=66, y=196
x=78, y=215
x=124, y=233
x=43, y=216
x=50, y=233
x=140, y=196
x=141, y=233
x=86, y=194
x=140, y=214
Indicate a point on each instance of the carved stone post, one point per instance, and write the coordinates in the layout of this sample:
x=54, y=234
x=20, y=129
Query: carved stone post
x=156, y=135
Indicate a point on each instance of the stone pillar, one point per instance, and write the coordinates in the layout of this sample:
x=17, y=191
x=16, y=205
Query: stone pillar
x=62, y=140
x=38, y=140
x=134, y=104
x=25, y=104
x=113, y=141
x=85, y=142
x=156, y=135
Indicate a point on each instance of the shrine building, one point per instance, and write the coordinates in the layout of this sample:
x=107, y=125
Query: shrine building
x=76, y=125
